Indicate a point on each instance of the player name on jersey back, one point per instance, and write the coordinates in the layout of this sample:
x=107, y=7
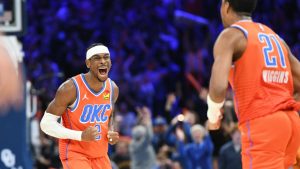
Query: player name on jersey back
x=275, y=76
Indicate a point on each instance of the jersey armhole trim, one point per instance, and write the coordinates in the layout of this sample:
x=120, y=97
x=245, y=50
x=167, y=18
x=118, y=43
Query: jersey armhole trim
x=111, y=92
x=245, y=32
x=74, y=105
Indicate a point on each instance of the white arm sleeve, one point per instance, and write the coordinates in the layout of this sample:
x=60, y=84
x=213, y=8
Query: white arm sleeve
x=50, y=126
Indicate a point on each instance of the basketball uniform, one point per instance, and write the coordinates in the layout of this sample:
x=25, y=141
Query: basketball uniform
x=89, y=109
x=262, y=83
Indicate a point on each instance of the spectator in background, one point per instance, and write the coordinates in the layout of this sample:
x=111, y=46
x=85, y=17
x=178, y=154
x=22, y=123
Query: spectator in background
x=199, y=153
x=48, y=157
x=230, y=153
x=178, y=127
x=163, y=161
x=159, y=136
x=127, y=119
x=121, y=156
x=141, y=150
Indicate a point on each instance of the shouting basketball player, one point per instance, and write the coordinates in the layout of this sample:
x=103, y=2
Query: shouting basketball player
x=85, y=104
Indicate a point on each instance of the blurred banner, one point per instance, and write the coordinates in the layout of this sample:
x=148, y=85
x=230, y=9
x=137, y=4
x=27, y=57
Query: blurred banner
x=14, y=144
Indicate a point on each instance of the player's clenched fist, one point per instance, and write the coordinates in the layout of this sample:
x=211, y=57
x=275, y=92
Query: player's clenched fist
x=113, y=137
x=89, y=134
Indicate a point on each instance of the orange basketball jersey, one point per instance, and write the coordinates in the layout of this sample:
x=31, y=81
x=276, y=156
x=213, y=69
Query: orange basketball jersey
x=89, y=109
x=261, y=79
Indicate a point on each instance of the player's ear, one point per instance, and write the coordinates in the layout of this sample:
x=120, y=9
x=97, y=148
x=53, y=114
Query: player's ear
x=227, y=6
x=88, y=63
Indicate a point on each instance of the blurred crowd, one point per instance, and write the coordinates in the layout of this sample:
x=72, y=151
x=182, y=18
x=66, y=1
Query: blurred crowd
x=161, y=64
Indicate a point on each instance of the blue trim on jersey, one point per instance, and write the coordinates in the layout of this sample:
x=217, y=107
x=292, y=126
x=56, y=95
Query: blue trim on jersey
x=112, y=92
x=242, y=29
x=90, y=89
x=77, y=95
x=251, y=144
x=68, y=141
x=67, y=154
x=236, y=103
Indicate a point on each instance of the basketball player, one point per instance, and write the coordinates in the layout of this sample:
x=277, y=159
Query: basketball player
x=263, y=74
x=85, y=103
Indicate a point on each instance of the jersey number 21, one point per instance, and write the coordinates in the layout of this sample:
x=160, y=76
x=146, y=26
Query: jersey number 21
x=271, y=61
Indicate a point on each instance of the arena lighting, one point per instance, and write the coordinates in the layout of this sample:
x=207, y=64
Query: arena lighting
x=186, y=17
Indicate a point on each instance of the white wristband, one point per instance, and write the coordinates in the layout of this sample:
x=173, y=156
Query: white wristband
x=213, y=112
x=50, y=126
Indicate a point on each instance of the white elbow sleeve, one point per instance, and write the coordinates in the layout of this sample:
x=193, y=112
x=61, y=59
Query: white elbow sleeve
x=50, y=126
x=214, y=112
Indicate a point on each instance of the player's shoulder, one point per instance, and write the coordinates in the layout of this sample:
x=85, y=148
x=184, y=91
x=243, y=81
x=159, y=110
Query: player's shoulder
x=231, y=38
x=232, y=34
x=67, y=87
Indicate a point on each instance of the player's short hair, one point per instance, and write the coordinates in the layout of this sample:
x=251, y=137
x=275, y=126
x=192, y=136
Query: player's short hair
x=94, y=44
x=243, y=6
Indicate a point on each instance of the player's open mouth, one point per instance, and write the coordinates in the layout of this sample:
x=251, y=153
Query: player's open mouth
x=102, y=71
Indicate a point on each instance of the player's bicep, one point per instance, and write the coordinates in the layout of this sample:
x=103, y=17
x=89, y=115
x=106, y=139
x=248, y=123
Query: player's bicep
x=229, y=46
x=223, y=54
x=65, y=96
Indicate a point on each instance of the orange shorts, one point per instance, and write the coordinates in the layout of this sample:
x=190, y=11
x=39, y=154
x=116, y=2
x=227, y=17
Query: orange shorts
x=82, y=162
x=271, y=141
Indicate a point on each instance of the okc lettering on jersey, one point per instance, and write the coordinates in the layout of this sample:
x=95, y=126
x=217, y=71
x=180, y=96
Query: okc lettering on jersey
x=94, y=113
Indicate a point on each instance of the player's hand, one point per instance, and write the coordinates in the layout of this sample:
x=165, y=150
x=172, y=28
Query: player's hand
x=89, y=134
x=214, y=126
x=113, y=137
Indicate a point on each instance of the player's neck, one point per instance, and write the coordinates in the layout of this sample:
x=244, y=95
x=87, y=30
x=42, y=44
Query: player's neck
x=238, y=18
x=247, y=18
x=94, y=82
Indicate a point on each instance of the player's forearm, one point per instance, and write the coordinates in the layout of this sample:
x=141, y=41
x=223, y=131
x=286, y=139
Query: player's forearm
x=217, y=88
x=217, y=91
x=219, y=80
x=50, y=126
